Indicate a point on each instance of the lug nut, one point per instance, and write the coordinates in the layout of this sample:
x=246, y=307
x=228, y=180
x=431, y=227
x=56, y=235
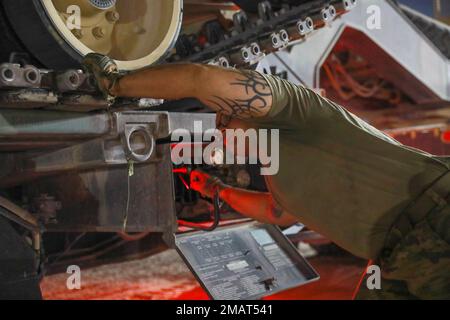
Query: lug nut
x=112, y=16
x=78, y=33
x=98, y=32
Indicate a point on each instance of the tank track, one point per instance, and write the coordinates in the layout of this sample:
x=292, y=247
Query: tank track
x=252, y=37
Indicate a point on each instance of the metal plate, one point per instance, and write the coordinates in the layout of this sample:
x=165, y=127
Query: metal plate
x=245, y=261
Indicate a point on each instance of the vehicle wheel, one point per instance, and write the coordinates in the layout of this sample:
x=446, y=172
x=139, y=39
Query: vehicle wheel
x=136, y=33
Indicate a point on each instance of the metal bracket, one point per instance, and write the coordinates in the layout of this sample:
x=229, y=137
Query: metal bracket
x=139, y=131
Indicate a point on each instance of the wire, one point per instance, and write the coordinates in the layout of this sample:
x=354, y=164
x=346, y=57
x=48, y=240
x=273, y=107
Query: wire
x=132, y=237
x=358, y=286
x=68, y=248
x=130, y=173
x=336, y=85
x=347, y=87
x=184, y=182
x=216, y=220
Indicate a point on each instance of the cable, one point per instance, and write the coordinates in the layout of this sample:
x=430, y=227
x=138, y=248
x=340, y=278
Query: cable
x=130, y=173
x=132, y=237
x=215, y=222
x=68, y=248
x=358, y=286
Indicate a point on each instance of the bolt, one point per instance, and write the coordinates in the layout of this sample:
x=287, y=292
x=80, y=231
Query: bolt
x=309, y=23
x=245, y=54
x=78, y=33
x=332, y=11
x=98, y=32
x=223, y=62
x=284, y=36
x=274, y=40
x=112, y=16
x=255, y=49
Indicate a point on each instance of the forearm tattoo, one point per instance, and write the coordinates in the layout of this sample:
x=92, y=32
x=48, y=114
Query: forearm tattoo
x=253, y=103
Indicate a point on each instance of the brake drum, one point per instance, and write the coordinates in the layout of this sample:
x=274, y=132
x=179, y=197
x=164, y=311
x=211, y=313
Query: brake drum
x=136, y=33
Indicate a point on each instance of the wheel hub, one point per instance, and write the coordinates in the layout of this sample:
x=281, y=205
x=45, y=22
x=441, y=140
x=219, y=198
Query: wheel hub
x=103, y=4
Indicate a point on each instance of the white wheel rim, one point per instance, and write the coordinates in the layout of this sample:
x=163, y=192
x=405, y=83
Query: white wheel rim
x=174, y=8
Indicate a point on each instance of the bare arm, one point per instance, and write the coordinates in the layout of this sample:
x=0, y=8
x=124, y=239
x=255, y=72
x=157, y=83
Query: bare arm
x=242, y=94
x=256, y=205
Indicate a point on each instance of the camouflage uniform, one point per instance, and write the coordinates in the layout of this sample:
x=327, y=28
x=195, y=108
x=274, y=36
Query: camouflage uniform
x=418, y=267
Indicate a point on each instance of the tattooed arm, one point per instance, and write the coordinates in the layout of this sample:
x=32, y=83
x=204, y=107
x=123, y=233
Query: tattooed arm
x=251, y=204
x=237, y=93
x=242, y=94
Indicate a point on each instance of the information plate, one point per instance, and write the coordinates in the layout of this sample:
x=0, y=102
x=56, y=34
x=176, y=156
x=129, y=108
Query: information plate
x=244, y=261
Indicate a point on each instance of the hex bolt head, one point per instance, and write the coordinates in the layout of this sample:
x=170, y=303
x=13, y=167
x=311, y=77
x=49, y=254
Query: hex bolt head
x=98, y=32
x=112, y=16
x=78, y=33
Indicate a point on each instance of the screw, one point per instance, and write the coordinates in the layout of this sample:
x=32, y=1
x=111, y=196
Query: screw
x=78, y=33
x=98, y=32
x=112, y=16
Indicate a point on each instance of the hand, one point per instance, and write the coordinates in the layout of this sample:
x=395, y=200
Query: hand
x=206, y=184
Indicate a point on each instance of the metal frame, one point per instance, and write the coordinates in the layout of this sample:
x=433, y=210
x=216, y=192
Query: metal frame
x=398, y=37
x=82, y=160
